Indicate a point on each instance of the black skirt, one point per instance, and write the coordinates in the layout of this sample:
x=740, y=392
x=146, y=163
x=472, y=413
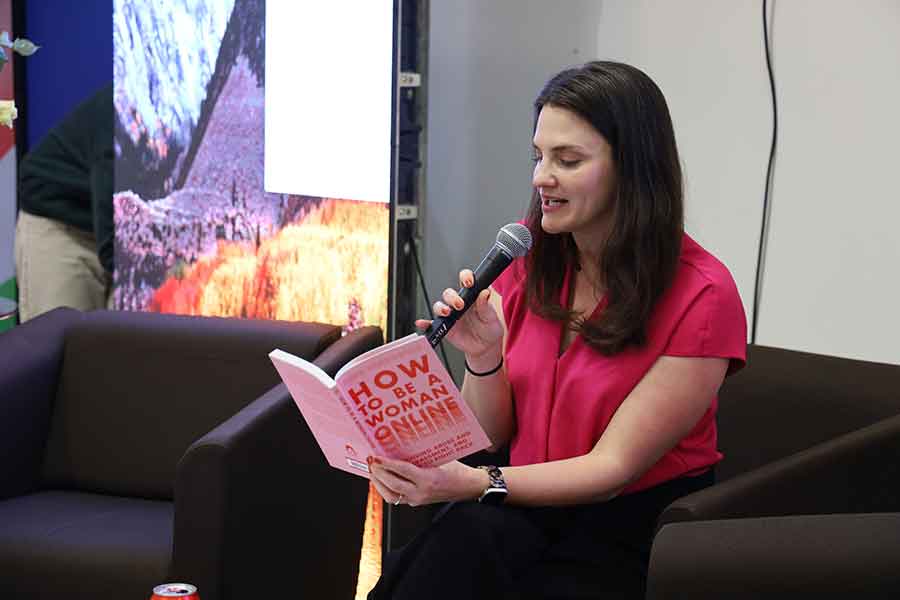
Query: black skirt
x=472, y=550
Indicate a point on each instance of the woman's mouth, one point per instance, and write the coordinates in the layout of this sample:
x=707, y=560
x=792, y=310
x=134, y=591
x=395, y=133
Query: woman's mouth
x=552, y=203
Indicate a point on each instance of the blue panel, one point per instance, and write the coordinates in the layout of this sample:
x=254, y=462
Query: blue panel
x=74, y=60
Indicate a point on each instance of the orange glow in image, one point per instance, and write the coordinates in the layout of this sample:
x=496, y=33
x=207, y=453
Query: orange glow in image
x=370, y=553
x=330, y=267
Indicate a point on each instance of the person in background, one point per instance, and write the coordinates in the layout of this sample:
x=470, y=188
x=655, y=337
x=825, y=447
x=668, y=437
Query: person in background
x=64, y=231
x=596, y=358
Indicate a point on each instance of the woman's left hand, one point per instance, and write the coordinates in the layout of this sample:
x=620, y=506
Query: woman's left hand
x=400, y=482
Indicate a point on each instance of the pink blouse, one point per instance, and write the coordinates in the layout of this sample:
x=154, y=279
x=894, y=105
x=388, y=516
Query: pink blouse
x=564, y=403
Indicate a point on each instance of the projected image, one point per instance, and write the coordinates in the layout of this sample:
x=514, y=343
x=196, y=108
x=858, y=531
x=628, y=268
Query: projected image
x=195, y=231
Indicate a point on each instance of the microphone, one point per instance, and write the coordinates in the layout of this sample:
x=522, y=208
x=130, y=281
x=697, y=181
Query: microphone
x=513, y=241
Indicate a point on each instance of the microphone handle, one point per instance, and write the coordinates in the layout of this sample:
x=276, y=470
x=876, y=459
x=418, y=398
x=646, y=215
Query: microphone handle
x=486, y=272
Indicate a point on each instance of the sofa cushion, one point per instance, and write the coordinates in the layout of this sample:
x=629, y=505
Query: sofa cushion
x=136, y=389
x=802, y=556
x=59, y=544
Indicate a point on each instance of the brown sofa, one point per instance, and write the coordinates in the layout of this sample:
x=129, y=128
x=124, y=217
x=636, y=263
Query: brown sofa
x=140, y=448
x=808, y=499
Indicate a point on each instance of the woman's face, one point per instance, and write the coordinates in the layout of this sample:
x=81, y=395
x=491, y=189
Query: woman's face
x=574, y=174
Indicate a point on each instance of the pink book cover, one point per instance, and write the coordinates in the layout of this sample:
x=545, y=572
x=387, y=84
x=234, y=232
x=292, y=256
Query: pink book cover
x=396, y=400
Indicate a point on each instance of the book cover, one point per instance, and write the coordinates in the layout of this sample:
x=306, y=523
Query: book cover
x=396, y=400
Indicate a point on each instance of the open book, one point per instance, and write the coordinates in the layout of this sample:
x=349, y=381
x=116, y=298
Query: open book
x=396, y=400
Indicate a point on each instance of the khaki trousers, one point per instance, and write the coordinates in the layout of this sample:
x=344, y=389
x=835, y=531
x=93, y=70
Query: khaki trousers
x=57, y=265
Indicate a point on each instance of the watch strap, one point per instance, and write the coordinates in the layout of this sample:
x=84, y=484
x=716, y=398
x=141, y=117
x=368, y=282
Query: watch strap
x=496, y=491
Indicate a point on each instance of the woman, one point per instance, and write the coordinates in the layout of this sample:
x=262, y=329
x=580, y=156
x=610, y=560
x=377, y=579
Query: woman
x=597, y=358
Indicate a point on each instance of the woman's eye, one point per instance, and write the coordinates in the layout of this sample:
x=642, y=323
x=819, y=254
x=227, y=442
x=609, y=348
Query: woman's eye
x=569, y=164
x=535, y=158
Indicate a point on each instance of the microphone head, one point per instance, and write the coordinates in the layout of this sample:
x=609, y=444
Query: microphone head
x=514, y=239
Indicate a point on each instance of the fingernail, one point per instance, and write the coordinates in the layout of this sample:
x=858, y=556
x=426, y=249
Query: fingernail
x=370, y=460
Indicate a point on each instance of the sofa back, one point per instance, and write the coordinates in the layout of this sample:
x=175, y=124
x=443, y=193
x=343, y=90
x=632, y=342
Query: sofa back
x=785, y=401
x=136, y=389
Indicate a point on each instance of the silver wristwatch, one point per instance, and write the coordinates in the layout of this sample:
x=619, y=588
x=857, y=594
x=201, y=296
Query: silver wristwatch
x=496, y=491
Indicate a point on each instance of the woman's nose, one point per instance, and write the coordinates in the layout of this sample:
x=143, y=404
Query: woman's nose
x=542, y=176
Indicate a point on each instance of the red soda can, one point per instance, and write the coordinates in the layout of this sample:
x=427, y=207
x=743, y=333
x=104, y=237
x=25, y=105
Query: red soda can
x=167, y=591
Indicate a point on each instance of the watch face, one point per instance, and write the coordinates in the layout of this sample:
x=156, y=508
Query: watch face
x=493, y=495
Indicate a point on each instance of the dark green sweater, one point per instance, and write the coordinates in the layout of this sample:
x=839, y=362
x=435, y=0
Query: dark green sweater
x=68, y=176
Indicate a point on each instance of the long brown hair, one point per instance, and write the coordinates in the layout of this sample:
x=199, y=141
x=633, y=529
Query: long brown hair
x=640, y=254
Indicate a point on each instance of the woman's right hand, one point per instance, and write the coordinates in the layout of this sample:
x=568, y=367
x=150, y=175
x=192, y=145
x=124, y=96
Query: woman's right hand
x=479, y=332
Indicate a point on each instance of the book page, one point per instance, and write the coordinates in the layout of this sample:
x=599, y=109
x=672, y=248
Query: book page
x=330, y=420
x=409, y=406
x=296, y=362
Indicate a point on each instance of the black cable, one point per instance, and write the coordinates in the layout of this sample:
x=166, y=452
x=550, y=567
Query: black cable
x=412, y=246
x=764, y=228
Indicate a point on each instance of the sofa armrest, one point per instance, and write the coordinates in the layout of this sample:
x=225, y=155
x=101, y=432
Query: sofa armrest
x=809, y=556
x=855, y=472
x=260, y=513
x=348, y=347
x=31, y=356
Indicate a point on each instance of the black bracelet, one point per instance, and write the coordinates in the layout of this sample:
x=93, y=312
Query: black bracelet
x=485, y=373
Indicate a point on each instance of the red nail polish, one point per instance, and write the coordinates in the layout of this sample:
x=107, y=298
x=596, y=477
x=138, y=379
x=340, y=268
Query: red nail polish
x=370, y=460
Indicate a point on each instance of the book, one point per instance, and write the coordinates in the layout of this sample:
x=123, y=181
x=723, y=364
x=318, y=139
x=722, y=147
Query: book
x=396, y=400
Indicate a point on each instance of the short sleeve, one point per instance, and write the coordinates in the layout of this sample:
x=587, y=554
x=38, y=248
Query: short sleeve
x=712, y=325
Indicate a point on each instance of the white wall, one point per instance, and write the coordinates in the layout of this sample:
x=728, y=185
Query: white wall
x=833, y=270
x=832, y=281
